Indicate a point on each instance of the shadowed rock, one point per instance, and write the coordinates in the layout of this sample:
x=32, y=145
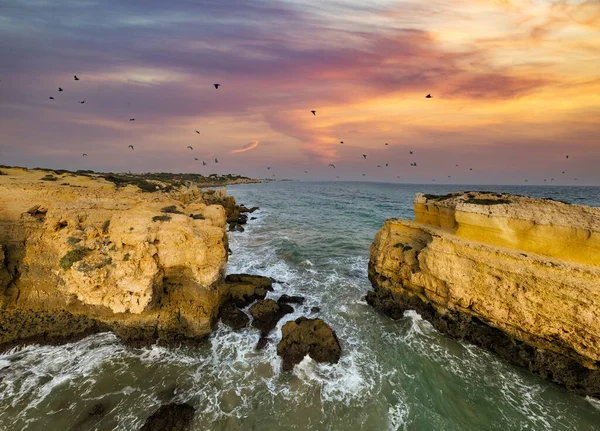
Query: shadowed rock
x=245, y=288
x=262, y=343
x=290, y=299
x=170, y=417
x=311, y=337
x=232, y=317
x=266, y=313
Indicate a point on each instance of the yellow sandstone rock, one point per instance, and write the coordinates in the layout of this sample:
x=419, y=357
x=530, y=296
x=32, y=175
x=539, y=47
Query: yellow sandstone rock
x=123, y=258
x=527, y=267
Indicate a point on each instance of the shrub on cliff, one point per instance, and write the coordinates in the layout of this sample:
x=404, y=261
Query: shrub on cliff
x=72, y=256
x=49, y=178
x=161, y=218
x=171, y=209
x=477, y=201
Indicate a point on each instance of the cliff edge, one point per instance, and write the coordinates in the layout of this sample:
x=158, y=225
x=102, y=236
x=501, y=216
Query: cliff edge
x=516, y=275
x=81, y=254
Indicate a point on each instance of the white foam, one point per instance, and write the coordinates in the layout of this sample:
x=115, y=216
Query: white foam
x=593, y=401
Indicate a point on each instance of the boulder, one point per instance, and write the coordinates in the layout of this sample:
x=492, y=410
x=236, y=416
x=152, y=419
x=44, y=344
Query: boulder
x=315, y=310
x=262, y=343
x=170, y=417
x=244, y=289
x=232, y=317
x=235, y=227
x=290, y=299
x=266, y=313
x=311, y=337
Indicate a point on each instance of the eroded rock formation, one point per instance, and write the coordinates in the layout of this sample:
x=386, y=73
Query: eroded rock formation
x=516, y=275
x=80, y=254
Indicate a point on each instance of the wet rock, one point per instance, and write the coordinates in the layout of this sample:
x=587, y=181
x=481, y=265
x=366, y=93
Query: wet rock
x=245, y=288
x=253, y=218
x=243, y=209
x=290, y=299
x=91, y=417
x=311, y=337
x=236, y=227
x=315, y=309
x=232, y=317
x=170, y=417
x=266, y=313
x=262, y=343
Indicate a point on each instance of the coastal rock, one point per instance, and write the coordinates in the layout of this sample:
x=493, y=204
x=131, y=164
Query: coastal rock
x=290, y=299
x=262, y=343
x=244, y=289
x=266, y=313
x=94, y=256
x=499, y=291
x=311, y=337
x=170, y=417
x=233, y=317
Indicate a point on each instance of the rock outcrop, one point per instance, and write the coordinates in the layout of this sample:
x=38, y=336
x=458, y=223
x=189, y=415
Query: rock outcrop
x=80, y=254
x=311, y=337
x=266, y=313
x=516, y=275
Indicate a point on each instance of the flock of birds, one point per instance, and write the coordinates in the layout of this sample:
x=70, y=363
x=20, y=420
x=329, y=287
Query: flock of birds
x=314, y=112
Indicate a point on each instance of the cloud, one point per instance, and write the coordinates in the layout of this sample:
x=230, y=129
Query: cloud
x=249, y=146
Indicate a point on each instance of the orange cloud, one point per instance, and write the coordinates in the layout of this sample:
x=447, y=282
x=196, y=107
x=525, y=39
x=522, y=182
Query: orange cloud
x=249, y=146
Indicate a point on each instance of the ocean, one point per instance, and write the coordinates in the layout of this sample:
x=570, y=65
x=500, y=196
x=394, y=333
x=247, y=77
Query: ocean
x=313, y=238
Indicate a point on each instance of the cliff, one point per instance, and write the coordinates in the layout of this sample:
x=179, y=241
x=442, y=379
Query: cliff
x=80, y=253
x=516, y=275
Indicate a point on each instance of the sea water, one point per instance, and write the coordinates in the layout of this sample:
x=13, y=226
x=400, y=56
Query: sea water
x=313, y=238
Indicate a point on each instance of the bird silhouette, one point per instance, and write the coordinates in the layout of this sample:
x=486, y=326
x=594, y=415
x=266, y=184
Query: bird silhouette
x=197, y=132
x=410, y=152
x=336, y=176
x=82, y=101
x=386, y=165
x=364, y=175
x=75, y=78
x=216, y=160
x=456, y=166
x=341, y=142
x=428, y=96
x=306, y=172
x=332, y=165
x=195, y=158
x=470, y=169
x=397, y=176
x=203, y=163
x=84, y=155
x=563, y=172
x=60, y=89
x=131, y=146
x=449, y=177
x=190, y=147
x=387, y=143
x=378, y=166
x=217, y=86
x=268, y=167
x=364, y=156
x=567, y=157
x=51, y=98
x=314, y=112
x=132, y=119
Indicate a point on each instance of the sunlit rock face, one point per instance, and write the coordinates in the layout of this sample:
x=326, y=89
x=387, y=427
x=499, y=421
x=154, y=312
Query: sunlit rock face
x=517, y=275
x=135, y=262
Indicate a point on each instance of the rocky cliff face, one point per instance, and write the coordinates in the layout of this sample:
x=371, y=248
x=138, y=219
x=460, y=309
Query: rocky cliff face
x=79, y=254
x=516, y=275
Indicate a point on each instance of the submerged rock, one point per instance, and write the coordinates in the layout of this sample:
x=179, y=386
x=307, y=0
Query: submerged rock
x=170, y=417
x=287, y=299
x=311, y=337
x=233, y=317
x=266, y=314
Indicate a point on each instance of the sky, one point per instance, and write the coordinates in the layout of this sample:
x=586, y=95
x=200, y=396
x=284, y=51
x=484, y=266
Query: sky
x=515, y=88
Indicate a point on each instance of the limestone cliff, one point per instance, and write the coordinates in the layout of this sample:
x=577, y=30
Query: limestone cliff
x=80, y=254
x=517, y=275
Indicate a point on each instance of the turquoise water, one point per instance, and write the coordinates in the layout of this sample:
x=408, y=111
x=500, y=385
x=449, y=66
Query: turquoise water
x=393, y=375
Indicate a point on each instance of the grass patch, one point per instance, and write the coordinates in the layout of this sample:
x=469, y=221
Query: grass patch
x=49, y=178
x=161, y=218
x=72, y=256
x=197, y=216
x=86, y=267
x=126, y=257
x=477, y=201
x=72, y=241
x=438, y=198
x=171, y=209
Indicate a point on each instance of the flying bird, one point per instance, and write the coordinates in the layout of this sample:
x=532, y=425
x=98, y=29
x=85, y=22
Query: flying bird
x=132, y=119
x=75, y=77
x=397, y=176
x=563, y=172
x=131, y=146
x=216, y=160
x=197, y=132
x=470, y=169
x=341, y=142
x=314, y=112
x=306, y=172
x=84, y=155
x=217, y=86
x=387, y=143
x=82, y=101
x=60, y=89
x=364, y=156
x=51, y=98
x=567, y=157
x=386, y=165
x=378, y=166
x=190, y=147
x=456, y=166
x=428, y=96
x=268, y=167
x=364, y=175
x=332, y=165
x=410, y=152
x=195, y=158
x=203, y=163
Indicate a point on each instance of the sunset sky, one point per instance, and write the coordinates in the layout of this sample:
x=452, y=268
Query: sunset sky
x=515, y=86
